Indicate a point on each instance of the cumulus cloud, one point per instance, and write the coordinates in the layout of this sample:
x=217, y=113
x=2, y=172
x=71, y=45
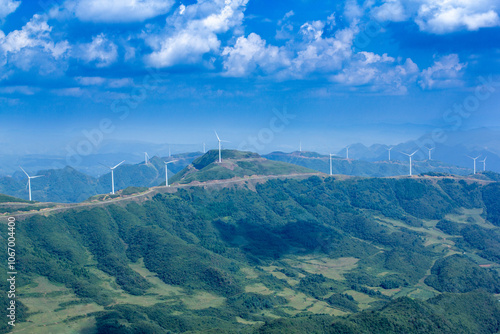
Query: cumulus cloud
x=192, y=32
x=390, y=10
x=116, y=11
x=380, y=73
x=20, y=48
x=101, y=50
x=7, y=7
x=439, y=17
x=250, y=53
x=446, y=72
x=285, y=26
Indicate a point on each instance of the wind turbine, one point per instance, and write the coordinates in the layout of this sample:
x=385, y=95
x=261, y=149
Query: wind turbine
x=29, y=180
x=474, y=162
x=220, y=141
x=300, y=146
x=166, y=171
x=484, y=164
x=113, y=176
x=389, y=150
x=146, y=157
x=410, y=155
x=331, y=169
x=204, y=150
x=430, y=150
x=347, y=152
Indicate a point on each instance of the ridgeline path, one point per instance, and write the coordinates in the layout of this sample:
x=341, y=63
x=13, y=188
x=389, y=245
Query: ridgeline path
x=147, y=194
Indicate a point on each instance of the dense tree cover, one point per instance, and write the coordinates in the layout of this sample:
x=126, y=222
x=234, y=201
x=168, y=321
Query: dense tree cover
x=474, y=312
x=458, y=273
x=201, y=239
x=491, y=196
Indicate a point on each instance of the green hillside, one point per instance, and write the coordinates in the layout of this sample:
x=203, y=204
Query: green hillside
x=317, y=255
x=340, y=165
x=234, y=164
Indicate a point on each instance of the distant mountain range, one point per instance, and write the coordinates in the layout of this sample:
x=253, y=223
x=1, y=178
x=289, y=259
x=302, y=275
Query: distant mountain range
x=449, y=147
x=67, y=185
x=341, y=165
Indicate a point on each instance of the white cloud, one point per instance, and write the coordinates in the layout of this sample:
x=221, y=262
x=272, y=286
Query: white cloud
x=7, y=7
x=251, y=53
x=390, y=10
x=21, y=47
x=438, y=16
x=446, y=72
x=191, y=34
x=285, y=26
x=116, y=11
x=378, y=73
x=101, y=51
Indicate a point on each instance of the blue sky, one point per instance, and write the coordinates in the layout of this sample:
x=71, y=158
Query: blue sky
x=168, y=71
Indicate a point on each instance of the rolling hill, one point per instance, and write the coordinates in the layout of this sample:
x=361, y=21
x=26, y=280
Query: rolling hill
x=343, y=166
x=67, y=185
x=235, y=164
x=290, y=255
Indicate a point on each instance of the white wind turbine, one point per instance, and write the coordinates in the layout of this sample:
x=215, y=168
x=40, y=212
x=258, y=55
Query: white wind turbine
x=220, y=141
x=146, y=158
x=300, y=146
x=347, y=152
x=166, y=171
x=410, y=156
x=389, y=150
x=331, y=166
x=474, y=162
x=29, y=180
x=113, y=176
x=430, y=150
x=484, y=164
x=204, y=150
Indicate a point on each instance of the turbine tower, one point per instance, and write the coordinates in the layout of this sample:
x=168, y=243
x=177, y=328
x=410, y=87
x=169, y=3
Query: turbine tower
x=204, y=150
x=331, y=169
x=300, y=146
x=220, y=141
x=484, y=164
x=430, y=150
x=389, y=150
x=347, y=152
x=146, y=158
x=166, y=171
x=113, y=176
x=474, y=162
x=29, y=180
x=410, y=156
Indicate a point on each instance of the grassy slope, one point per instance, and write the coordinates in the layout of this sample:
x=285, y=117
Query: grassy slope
x=236, y=259
x=234, y=164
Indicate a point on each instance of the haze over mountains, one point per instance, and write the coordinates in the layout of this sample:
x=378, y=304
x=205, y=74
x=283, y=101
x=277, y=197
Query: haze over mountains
x=452, y=148
x=68, y=185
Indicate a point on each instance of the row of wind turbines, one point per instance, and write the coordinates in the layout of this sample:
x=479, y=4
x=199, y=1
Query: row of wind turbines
x=220, y=141
x=146, y=162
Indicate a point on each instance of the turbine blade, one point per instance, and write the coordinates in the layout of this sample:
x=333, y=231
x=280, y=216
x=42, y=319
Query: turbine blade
x=104, y=165
x=217, y=135
x=404, y=153
x=24, y=171
x=118, y=164
x=414, y=153
x=34, y=177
